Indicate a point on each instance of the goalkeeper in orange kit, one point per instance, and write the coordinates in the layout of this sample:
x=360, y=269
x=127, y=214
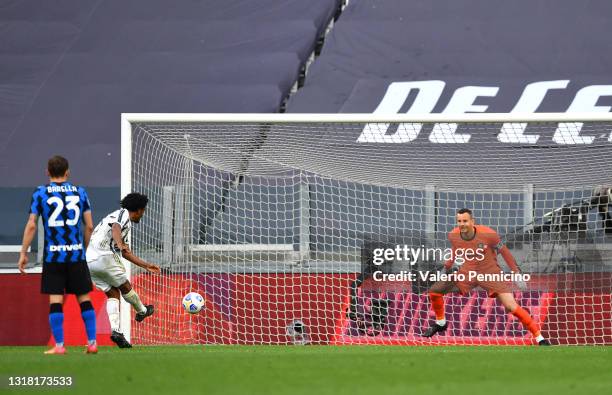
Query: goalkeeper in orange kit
x=486, y=244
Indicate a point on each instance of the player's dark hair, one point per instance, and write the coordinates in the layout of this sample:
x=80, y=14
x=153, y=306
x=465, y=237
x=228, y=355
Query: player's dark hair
x=134, y=201
x=57, y=166
x=464, y=211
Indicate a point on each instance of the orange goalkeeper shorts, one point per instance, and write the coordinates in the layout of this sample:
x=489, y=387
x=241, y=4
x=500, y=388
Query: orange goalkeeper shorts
x=493, y=286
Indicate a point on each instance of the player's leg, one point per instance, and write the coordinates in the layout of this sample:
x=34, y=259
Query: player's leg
x=88, y=314
x=508, y=301
x=118, y=279
x=53, y=283
x=114, y=316
x=102, y=279
x=130, y=296
x=113, y=308
x=436, y=298
x=79, y=283
x=56, y=322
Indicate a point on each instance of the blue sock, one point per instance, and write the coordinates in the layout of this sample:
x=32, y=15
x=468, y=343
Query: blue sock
x=89, y=318
x=56, y=321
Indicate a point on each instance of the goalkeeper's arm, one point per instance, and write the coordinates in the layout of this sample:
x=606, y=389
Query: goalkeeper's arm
x=509, y=259
x=448, y=264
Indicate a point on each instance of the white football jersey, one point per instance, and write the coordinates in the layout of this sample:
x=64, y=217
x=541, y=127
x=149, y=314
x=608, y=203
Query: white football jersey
x=101, y=242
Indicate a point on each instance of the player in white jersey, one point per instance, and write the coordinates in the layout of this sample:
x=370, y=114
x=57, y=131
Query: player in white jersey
x=109, y=243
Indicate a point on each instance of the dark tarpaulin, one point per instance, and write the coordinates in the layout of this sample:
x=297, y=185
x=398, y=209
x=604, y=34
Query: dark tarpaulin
x=215, y=37
x=91, y=112
x=488, y=43
x=69, y=68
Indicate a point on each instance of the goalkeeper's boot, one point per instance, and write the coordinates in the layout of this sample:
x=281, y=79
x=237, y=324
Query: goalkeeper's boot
x=120, y=340
x=544, y=342
x=140, y=316
x=435, y=328
x=57, y=350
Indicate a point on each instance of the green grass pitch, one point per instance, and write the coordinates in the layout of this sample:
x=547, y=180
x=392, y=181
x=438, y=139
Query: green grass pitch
x=318, y=370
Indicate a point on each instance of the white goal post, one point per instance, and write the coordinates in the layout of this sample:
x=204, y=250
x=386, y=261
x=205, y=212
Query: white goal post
x=272, y=217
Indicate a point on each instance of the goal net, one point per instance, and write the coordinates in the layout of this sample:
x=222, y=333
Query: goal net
x=278, y=220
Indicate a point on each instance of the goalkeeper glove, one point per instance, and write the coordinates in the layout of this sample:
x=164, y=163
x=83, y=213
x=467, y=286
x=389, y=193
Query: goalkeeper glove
x=449, y=270
x=522, y=285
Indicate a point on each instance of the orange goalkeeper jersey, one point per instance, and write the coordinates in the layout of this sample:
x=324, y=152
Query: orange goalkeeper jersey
x=485, y=245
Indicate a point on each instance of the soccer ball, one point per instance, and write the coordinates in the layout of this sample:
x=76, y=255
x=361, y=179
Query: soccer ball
x=193, y=302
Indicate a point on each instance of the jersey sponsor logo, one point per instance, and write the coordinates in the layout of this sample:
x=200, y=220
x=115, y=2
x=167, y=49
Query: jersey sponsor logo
x=462, y=101
x=66, y=247
x=61, y=188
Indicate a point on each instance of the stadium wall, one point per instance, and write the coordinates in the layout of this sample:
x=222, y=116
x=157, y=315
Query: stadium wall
x=24, y=320
x=257, y=308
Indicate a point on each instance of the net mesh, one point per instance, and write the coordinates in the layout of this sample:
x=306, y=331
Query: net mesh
x=275, y=224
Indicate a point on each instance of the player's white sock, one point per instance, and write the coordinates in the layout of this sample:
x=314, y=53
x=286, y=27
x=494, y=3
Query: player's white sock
x=133, y=299
x=112, y=309
x=539, y=338
x=441, y=322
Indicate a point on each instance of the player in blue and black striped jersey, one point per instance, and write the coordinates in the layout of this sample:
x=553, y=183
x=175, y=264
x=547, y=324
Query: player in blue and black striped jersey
x=64, y=209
